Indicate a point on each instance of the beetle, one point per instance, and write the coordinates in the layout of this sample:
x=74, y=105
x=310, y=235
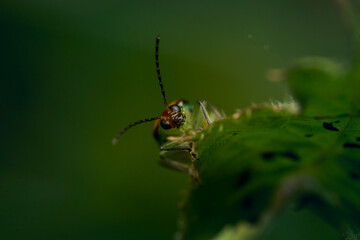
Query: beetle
x=177, y=128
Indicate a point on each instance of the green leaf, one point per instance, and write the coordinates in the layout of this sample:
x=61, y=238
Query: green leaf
x=270, y=157
x=319, y=85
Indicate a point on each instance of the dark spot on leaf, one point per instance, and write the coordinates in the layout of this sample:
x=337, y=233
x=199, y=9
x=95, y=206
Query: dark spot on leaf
x=253, y=218
x=304, y=201
x=235, y=133
x=247, y=202
x=250, y=208
x=329, y=126
x=351, y=145
x=308, y=199
x=358, y=139
x=293, y=156
x=354, y=175
x=309, y=135
x=243, y=178
x=268, y=156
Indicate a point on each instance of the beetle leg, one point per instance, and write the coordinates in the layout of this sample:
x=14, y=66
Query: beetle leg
x=166, y=162
x=192, y=171
x=206, y=115
x=189, y=149
x=180, y=139
x=214, y=110
x=192, y=147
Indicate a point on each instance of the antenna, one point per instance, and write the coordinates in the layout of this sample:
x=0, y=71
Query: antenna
x=116, y=139
x=158, y=69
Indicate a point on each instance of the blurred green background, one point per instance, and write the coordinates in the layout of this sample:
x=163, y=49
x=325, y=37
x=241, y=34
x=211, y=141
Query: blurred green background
x=74, y=73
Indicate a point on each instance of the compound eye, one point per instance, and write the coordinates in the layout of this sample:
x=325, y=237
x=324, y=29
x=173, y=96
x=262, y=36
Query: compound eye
x=175, y=108
x=165, y=124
